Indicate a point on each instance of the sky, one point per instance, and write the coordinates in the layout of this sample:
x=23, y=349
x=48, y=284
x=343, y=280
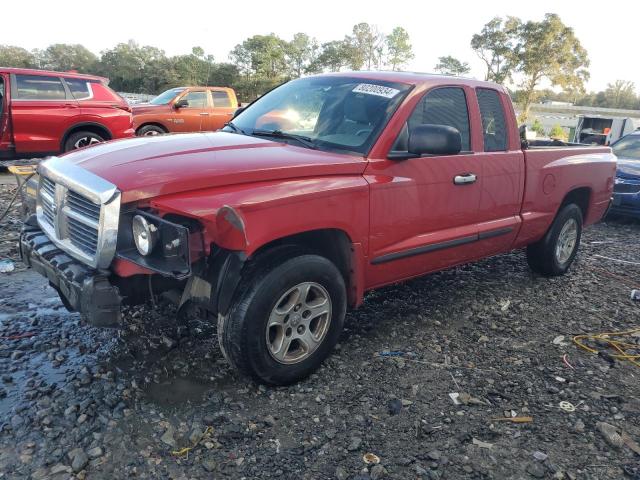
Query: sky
x=609, y=32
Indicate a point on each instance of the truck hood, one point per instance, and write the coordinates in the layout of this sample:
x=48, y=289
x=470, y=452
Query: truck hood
x=628, y=168
x=148, y=167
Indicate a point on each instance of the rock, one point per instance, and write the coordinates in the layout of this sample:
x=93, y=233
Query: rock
x=378, y=472
x=434, y=455
x=536, y=470
x=79, y=461
x=59, y=468
x=540, y=456
x=169, y=342
x=209, y=465
x=341, y=473
x=394, y=406
x=81, y=419
x=610, y=434
x=167, y=436
x=354, y=444
x=579, y=426
x=420, y=470
x=95, y=452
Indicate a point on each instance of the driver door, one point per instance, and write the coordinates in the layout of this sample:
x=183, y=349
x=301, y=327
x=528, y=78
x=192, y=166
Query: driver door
x=423, y=216
x=194, y=116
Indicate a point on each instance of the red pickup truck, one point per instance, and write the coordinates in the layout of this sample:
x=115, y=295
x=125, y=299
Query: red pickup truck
x=322, y=189
x=44, y=113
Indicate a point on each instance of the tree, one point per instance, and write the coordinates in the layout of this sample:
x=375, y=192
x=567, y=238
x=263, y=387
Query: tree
x=452, y=66
x=64, y=57
x=557, y=132
x=333, y=56
x=365, y=47
x=12, y=56
x=621, y=94
x=261, y=55
x=399, y=49
x=301, y=54
x=128, y=66
x=548, y=50
x=538, y=128
x=495, y=46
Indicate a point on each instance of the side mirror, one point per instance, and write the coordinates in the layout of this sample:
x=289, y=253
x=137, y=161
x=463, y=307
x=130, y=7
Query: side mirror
x=434, y=140
x=238, y=111
x=183, y=102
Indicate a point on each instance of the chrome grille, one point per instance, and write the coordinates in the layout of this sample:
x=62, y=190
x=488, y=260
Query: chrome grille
x=48, y=195
x=83, y=206
x=78, y=211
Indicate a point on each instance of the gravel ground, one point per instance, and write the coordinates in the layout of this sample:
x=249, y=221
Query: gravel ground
x=78, y=402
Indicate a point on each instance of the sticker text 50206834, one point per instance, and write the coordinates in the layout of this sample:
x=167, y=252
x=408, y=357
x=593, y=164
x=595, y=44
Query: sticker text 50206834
x=378, y=90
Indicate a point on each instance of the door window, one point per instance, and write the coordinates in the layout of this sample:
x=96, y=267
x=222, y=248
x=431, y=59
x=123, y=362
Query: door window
x=221, y=99
x=37, y=87
x=196, y=99
x=442, y=106
x=494, y=129
x=80, y=89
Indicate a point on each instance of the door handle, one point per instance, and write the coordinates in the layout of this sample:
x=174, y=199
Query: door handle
x=465, y=179
x=204, y=113
x=71, y=105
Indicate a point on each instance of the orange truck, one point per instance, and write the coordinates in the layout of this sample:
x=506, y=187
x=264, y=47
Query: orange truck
x=185, y=109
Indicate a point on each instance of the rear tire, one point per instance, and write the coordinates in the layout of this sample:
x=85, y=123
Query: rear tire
x=150, y=131
x=82, y=139
x=286, y=318
x=556, y=251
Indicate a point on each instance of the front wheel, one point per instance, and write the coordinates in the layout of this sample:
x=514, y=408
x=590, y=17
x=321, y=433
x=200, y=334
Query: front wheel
x=554, y=254
x=82, y=139
x=286, y=319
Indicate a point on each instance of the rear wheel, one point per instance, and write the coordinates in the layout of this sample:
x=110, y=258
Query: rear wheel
x=150, y=131
x=554, y=254
x=82, y=139
x=286, y=319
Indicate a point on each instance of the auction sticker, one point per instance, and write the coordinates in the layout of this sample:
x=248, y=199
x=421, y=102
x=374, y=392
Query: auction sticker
x=377, y=90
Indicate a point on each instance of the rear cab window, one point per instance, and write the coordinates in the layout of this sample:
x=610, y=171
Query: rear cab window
x=441, y=106
x=494, y=128
x=38, y=87
x=220, y=99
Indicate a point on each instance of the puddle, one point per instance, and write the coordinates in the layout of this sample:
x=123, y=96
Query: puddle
x=177, y=391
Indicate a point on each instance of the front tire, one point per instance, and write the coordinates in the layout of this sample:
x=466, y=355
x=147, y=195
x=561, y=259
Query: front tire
x=150, y=131
x=286, y=318
x=82, y=139
x=554, y=254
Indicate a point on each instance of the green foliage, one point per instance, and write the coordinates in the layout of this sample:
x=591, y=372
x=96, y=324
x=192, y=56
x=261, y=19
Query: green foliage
x=63, y=57
x=365, y=47
x=495, y=45
x=538, y=128
x=12, y=56
x=452, y=66
x=399, y=49
x=557, y=132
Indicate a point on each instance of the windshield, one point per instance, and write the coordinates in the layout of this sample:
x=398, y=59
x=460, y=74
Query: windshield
x=167, y=96
x=333, y=112
x=627, y=147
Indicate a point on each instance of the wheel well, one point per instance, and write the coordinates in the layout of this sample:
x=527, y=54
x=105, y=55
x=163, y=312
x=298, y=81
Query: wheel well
x=332, y=244
x=87, y=127
x=579, y=196
x=155, y=124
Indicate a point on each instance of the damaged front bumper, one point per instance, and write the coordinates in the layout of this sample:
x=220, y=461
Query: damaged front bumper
x=81, y=288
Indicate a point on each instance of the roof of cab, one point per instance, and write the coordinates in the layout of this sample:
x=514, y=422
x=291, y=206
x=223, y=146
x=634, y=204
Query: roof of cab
x=33, y=71
x=418, y=78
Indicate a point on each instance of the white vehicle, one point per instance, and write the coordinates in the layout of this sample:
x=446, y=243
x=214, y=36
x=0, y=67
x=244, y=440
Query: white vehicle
x=603, y=130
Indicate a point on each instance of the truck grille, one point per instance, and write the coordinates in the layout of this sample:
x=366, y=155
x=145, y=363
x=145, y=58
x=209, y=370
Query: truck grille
x=626, y=188
x=80, y=217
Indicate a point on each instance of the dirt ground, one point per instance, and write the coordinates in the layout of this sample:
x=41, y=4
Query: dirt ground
x=78, y=402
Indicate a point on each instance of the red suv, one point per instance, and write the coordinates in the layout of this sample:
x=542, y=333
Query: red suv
x=44, y=113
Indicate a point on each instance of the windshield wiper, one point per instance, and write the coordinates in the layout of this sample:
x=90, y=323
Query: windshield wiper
x=235, y=128
x=306, y=141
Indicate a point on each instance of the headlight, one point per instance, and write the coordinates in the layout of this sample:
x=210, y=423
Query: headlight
x=145, y=234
